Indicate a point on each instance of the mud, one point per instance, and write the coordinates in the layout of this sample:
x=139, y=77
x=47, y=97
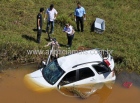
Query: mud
x=14, y=90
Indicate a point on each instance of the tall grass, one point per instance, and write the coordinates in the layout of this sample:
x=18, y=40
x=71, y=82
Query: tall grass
x=18, y=19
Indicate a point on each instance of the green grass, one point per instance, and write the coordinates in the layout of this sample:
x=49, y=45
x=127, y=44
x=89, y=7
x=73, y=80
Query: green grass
x=18, y=19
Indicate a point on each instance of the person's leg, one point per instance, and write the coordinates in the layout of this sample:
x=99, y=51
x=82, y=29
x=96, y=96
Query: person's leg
x=49, y=37
x=70, y=40
x=77, y=22
x=39, y=35
x=52, y=27
x=82, y=24
x=47, y=27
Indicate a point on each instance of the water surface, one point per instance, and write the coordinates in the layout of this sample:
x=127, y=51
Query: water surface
x=14, y=90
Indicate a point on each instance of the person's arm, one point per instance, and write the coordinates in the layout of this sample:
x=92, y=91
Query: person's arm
x=75, y=15
x=58, y=44
x=64, y=29
x=48, y=44
x=38, y=22
x=84, y=12
x=45, y=15
x=84, y=15
x=55, y=14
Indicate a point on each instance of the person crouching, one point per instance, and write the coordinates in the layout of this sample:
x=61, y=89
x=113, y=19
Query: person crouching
x=54, y=50
x=70, y=34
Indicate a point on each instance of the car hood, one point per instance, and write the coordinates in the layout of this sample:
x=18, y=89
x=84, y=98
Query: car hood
x=36, y=74
x=38, y=79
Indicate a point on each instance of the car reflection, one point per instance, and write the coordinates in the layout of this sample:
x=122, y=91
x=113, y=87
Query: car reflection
x=100, y=90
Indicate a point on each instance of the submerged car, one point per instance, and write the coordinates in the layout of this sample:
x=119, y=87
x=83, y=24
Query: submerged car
x=86, y=67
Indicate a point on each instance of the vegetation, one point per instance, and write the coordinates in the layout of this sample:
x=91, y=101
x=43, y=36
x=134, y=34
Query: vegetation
x=18, y=22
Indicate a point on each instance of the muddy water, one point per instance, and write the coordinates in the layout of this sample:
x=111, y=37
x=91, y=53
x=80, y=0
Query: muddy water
x=14, y=90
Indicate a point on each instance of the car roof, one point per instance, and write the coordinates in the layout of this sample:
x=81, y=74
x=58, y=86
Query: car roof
x=68, y=62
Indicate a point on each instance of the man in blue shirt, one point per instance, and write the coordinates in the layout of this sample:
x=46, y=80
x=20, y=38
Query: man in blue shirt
x=80, y=16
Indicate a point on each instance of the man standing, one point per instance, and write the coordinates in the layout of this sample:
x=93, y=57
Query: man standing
x=39, y=24
x=51, y=13
x=80, y=16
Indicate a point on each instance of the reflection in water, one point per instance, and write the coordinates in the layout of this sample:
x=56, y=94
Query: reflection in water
x=104, y=93
x=13, y=90
x=84, y=91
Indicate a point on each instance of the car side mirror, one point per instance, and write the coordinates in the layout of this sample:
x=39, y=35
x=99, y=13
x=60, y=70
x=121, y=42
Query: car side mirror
x=42, y=64
x=58, y=86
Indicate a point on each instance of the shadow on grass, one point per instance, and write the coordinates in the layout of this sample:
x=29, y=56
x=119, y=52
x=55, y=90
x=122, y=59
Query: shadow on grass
x=44, y=31
x=62, y=45
x=119, y=59
x=92, y=27
x=47, y=39
x=35, y=30
x=30, y=38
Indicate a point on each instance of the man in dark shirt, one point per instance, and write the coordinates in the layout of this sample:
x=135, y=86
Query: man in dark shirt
x=39, y=24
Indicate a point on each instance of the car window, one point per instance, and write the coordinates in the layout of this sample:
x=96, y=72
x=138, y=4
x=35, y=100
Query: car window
x=101, y=68
x=85, y=73
x=76, y=75
x=69, y=78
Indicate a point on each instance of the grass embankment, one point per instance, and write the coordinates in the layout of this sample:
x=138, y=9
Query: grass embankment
x=18, y=19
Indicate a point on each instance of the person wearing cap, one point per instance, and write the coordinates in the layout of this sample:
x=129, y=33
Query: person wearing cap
x=39, y=24
x=70, y=34
x=51, y=14
x=54, y=47
x=80, y=16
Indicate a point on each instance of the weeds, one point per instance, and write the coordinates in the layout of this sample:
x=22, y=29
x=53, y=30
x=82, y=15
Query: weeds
x=18, y=19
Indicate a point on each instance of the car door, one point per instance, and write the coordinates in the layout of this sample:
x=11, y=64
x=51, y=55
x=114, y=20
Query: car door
x=80, y=76
x=82, y=79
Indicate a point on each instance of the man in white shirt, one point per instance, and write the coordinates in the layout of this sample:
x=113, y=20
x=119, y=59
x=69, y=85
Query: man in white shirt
x=70, y=34
x=51, y=14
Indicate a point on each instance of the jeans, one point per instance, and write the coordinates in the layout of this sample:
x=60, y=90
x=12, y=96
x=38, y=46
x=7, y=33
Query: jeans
x=80, y=20
x=70, y=38
x=50, y=23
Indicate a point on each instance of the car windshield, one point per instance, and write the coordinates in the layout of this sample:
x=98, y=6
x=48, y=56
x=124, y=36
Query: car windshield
x=52, y=72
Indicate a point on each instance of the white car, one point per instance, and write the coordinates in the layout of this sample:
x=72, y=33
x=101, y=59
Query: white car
x=86, y=67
